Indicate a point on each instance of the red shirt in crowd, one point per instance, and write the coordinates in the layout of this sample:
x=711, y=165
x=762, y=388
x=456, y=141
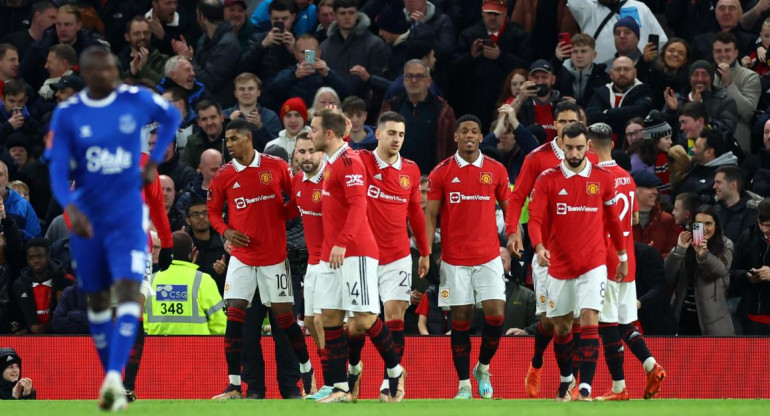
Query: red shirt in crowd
x=253, y=195
x=468, y=192
x=580, y=209
x=544, y=118
x=393, y=193
x=306, y=201
x=345, y=221
x=153, y=197
x=42, y=293
x=626, y=206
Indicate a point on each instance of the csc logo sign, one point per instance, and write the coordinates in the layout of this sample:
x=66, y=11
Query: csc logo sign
x=354, y=180
x=561, y=208
x=454, y=197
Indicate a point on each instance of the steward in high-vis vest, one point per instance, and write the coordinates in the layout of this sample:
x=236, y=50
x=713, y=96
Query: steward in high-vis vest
x=185, y=301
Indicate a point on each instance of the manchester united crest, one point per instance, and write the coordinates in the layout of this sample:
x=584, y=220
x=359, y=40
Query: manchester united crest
x=486, y=178
x=592, y=188
x=445, y=294
x=403, y=180
x=265, y=177
x=542, y=299
x=316, y=197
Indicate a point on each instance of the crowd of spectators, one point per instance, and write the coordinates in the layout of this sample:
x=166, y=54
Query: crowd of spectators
x=685, y=86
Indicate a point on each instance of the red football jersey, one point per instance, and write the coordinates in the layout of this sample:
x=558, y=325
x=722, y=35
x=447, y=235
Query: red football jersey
x=306, y=201
x=627, y=205
x=254, y=199
x=579, y=208
x=468, y=192
x=393, y=193
x=345, y=222
x=153, y=197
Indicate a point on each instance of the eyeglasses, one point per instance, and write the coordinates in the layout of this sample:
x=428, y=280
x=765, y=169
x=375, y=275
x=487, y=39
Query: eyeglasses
x=415, y=77
x=200, y=214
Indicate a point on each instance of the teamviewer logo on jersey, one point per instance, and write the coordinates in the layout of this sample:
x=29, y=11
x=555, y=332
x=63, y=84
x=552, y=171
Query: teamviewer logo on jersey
x=455, y=198
x=561, y=208
x=373, y=192
x=171, y=292
x=240, y=203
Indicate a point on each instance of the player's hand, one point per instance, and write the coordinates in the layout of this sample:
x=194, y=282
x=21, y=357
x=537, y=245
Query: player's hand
x=165, y=256
x=80, y=224
x=237, y=238
x=149, y=172
x=423, y=265
x=544, y=258
x=685, y=239
x=622, y=271
x=337, y=257
x=220, y=266
x=515, y=245
x=516, y=331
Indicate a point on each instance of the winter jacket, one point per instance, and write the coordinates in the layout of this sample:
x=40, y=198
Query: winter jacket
x=286, y=142
x=198, y=93
x=655, y=314
x=271, y=125
x=700, y=180
x=199, y=142
x=751, y=252
x=756, y=171
x=369, y=142
x=526, y=142
x=9, y=356
x=174, y=30
x=15, y=18
x=710, y=280
x=304, y=22
x=361, y=47
x=636, y=103
x=544, y=35
x=579, y=85
x=737, y=218
x=115, y=15
x=25, y=298
x=33, y=64
x=718, y=106
x=703, y=48
x=266, y=62
x=216, y=61
x=153, y=70
x=658, y=80
x=661, y=231
x=30, y=129
x=286, y=85
x=689, y=18
x=22, y=213
x=179, y=172
x=70, y=316
x=437, y=27
x=744, y=90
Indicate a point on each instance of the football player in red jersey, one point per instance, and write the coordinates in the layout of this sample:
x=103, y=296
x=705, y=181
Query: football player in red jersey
x=252, y=185
x=393, y=193
x=576, y=200
x=349, y=259
x=620, y=304
x=464, y=189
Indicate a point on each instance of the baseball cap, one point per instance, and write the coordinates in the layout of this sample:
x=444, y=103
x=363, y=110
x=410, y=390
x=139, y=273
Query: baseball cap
x=540, y=65
x=231, y=2
x=69, y=81
x=494, y=6
x=645, y=179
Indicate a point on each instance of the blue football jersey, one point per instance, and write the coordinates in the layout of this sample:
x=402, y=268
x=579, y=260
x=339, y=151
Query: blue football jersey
x=97, y=143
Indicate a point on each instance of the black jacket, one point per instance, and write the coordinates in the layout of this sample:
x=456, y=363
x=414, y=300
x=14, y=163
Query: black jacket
x=737, y=218
x=32, y=66
x=751, y=252
x=115, y=15
x=703, y=48
x=689, y=18
x=215, y=63
x=17, y=18
x=9, y=356
x=70, y=316
x=637, y=103
x=209, y=252
x=656, y=315
x=25, y=298
x=565, y=81
x=266, y=63
x=180, y=173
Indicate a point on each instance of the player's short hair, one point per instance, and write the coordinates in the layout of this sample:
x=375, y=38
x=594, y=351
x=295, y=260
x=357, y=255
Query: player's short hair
x=38, y=242
x=41, y=6
x=65, y=52
x=763, y=210
x=689, y=201
x=332, y=120
x=303, y=135
x=695, y=110
x=583, y=39
x=73, y=10
x=5, y=47
x=206, y=104
x=212, y=10
x=240, y=125
x=246, y=77
x=600, y=133
x=283, y=6
x=467, y=117
x=183, y=245
x=390, y=116
x=732, y=174
x=344, y=4
x=14, y=87
x=135, y=19
x=353, y=104
x=567, y=106
x=574, y=130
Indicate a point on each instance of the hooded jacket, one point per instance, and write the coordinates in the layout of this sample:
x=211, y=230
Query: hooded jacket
x=22, y=213
x=286, y=142
x=369, y=142
x=9, y=356
x=700, y=180
x=637, y=102
x=25, y=298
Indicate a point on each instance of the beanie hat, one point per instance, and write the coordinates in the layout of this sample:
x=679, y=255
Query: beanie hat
x=629, y=23
x=702, y=64
x=392, y=20
x=8, y=356
x=294, y=104
x=655, y=126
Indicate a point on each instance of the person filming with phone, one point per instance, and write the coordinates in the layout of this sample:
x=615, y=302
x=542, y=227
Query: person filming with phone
x=699, y=269
x=537, y=98
x=270, y=52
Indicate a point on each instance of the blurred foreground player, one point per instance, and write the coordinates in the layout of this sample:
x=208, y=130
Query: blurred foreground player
x=96, y=142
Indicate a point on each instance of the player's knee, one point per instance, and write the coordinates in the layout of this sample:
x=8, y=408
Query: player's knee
x=395, y=310
x=237, y=303
x=589, y=317
x=127, y=290
x=562, y=327
x=362, y=322
x=547, y=323
x=99, y=301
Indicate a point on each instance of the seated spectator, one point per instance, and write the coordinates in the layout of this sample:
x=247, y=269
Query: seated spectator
x=178, y=98
x=325, y=16
x=520, y=301
x=431, y=319
x=204, y=313
x=429, y=119
x=623, y=99
x=537, y=98
x=294, y=119
x=728, y=15
x=738, y=83
x=577, y=73
x=210, y=136
x=732, y=209
x=651, y=152
x=634, y=132
x=9, y=64
x=685, y=205
x=324, y=97
x=305, y=19
x=212, y=257
x=61, y=60
x=656, y=227
x=16, y=207
x=626, y=34
x=700, y=276
x=709, y=153
x=70, y=316
x=484, y=54
x=750, y=273
x=175, y=218
x=139, y=58
x=351, y=49
x=12, y=386
x=272, y=51
x=38, y=288
x=171, y=166
x=655, y=315
x=167, y=25
x=304, y=79
x=67, y=87
x=43, y=17
x=509, y=142
x=361, y=135
x=589, y=16
x=265, y=123
x=211, y=160
x=15, y=116
x=68, y=30
x=669, y=69
x=179, y=73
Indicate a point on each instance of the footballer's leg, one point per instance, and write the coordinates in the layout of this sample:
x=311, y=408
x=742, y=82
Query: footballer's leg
x=544, y=332
x=394, y=281
x=489, y=286
x=590, y=288
x=560, y=306
x=613, y=346
x=337, y=350
x=135, y=359
x=461, y=348
x=394, y=320
x=314, y=325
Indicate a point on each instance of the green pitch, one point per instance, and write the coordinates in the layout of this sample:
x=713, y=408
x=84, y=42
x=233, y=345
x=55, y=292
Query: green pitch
x=410, y=407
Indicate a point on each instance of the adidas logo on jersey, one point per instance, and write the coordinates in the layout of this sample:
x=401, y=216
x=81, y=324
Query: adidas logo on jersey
x=236, y=185
x=563, y=192
x=299, y=194
x=456, y=180
x=282, y=293
x=378, y=176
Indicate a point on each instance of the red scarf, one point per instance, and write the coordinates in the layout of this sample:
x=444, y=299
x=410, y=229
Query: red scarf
x=496, y=37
